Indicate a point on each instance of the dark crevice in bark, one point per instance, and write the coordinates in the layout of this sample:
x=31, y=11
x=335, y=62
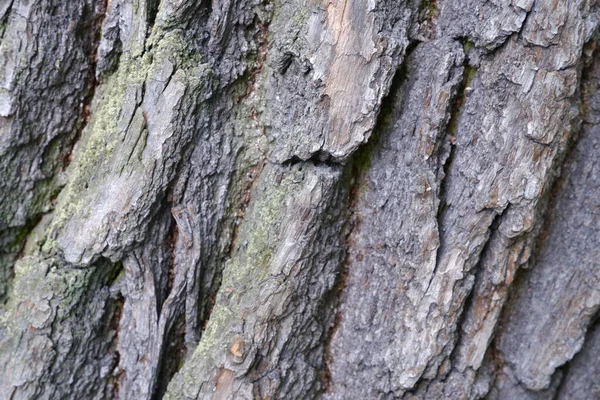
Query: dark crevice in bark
x=468, y=303
x=321, y=157
x=478, y=271
x=526, y=19
x=25, y=231
x=88, y=27
x=245, y=196
x=171, y=242
x=92, y=82
x=151, y=12
x=173, y=349
x=443, y=189
x=4, y=18
x=114, y=381
x=210, y=298
x=561, y=373
x=457, y=105
x=284, y=63
x=172, y=357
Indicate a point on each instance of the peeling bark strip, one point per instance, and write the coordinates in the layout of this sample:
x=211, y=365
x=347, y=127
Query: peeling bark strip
x=248, y=199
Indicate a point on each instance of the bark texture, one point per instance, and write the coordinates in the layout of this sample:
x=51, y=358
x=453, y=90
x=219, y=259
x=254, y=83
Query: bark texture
x=262, y=199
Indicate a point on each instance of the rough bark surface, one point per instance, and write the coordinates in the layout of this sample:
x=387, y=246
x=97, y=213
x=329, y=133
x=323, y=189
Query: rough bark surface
x=342, y=199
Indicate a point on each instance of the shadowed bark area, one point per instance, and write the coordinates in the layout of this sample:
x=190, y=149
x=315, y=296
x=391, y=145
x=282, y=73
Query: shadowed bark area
x=254, y=199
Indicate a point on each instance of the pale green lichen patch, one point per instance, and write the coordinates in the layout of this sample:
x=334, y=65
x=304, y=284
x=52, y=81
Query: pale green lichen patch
x=214, y=343
x=46, y=292
x=100, y=141
x=290, y=21
x=258, y=237
x=102, y=156
x=50, y=305
x=38, y=285
x=212, y=350
x=169, y=45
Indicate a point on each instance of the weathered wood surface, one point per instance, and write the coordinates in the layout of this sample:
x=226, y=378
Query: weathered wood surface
x=338, y=199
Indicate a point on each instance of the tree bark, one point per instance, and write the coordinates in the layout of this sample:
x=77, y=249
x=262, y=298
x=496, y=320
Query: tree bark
x=254, y=199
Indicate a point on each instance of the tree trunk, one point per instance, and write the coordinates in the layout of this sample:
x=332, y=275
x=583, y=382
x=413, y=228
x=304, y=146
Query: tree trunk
x=257, y=199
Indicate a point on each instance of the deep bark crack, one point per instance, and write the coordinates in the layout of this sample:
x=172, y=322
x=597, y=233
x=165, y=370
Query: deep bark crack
x=451, y=130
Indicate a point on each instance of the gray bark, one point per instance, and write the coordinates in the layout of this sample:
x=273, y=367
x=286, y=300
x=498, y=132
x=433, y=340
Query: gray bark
x=255, y=199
